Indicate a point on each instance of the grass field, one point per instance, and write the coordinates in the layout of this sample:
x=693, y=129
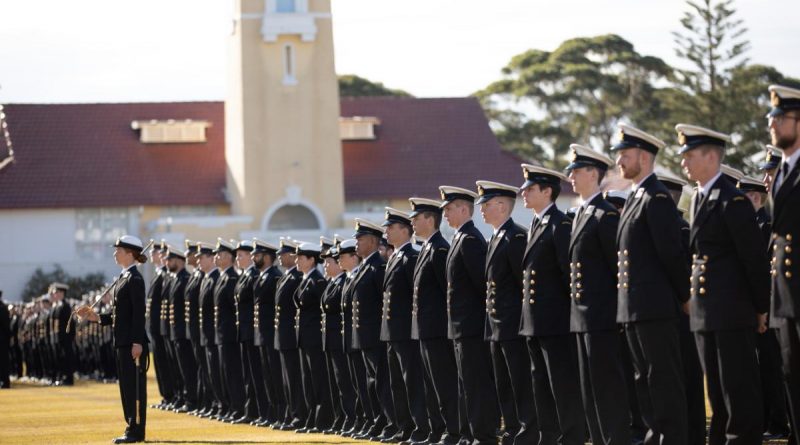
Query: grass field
x=90, y=413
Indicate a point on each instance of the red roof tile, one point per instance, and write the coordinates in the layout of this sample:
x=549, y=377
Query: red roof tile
x=87, y=155
x=422, y=144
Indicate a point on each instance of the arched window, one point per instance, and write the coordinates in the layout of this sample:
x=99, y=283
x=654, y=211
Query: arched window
x=293, y=217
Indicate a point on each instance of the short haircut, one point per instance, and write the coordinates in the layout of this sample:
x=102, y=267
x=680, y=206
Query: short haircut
x=437, y=217
x=600, y=172
x=555, y=190
x=710, y=147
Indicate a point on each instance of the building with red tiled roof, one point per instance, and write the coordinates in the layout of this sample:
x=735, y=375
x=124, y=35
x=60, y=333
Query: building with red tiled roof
x=83, y=175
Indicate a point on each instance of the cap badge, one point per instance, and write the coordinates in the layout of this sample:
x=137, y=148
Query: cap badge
x=774, y=99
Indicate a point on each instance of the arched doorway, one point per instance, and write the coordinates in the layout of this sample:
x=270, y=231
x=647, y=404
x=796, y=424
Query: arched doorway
x=293, y=217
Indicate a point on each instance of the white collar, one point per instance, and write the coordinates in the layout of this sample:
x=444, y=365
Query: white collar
x=305, y=275
x=540, y=215
x=586, y=202
x=128, y=269
x=212, y=270
x=354, y=271
x=337, y=276
x=501, y=226
x=791, y=160
x=397, y=250
x=639, y=184
x=703, y=189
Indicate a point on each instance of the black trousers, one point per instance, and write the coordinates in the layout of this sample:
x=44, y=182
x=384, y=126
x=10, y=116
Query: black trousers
x=342, y=390
x=273, y=378
x=66, y=358
x=512, y=365
x=772, y=388
x=129, y=373
x=365, y=408
x=316, y=388
x=205, y=395
x=215, y=375
x=377, y=371
x=163, y=370
x=257, y=391
x=655, y=350
x=557, y=390
x=439, y=361
x=175, y=371
x=731, y=368
x=789, y=337
x=694, y=383
x=232, y=376
x=5, y=381
x=605, y=398
x=297, y=413
x=479, y=397
x=637, y=426
x=408, y=387
x=188, y=370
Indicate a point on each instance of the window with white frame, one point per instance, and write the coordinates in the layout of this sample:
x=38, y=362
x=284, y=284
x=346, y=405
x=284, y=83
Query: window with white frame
x=96, y=229
x=285, y=6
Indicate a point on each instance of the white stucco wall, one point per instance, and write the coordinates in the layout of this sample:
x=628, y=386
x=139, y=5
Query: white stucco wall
x=33, y=239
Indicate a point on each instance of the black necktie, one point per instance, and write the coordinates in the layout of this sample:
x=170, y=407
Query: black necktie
x=697, y=199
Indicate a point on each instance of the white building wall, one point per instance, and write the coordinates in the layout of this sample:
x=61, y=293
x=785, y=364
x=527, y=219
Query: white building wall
x=34, y=239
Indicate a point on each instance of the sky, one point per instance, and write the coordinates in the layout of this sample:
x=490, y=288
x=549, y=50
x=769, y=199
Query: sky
x=56, y=51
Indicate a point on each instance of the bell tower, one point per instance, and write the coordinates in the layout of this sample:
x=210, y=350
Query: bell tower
x=282, y=144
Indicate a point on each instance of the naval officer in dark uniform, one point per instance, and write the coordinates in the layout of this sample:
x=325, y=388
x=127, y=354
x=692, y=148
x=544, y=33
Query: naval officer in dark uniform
x=729, y=293
x=225, y=331
x=652, y=287
x=286, y=338
x=503, y=308
x=546, y=311
x=693, y=380
x=784, y=128
x=367, y=292
x=130, y=340
x=429, y=324
x=593, y=270
x=466, y=311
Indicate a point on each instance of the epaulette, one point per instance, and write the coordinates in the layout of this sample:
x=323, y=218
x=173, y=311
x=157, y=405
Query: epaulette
x=443, y=249
x=738, y=198
x=520, y=235
x=661, y=195
x=566, y=221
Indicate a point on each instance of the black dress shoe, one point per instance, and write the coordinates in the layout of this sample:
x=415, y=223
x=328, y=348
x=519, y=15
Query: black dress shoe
x=302, y=430
x=243, y=419
x=314, y=430
x=127, y=439
x=286, y=427
x=331, y=431
x=449, y=439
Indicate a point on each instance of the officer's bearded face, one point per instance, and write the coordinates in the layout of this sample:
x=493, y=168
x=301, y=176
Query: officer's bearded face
x=258, y=260
x=629, y=162
x=783, y=130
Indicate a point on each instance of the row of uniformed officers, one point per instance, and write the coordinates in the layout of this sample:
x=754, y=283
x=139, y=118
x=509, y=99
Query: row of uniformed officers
x=42, y=349
x=529, y=337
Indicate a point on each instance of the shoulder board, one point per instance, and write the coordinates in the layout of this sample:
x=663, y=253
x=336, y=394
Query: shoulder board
x=566, y=221
x=443, y=249
x=738, y=198
x=520, y=235
x=661, y=195
x=470, y=237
